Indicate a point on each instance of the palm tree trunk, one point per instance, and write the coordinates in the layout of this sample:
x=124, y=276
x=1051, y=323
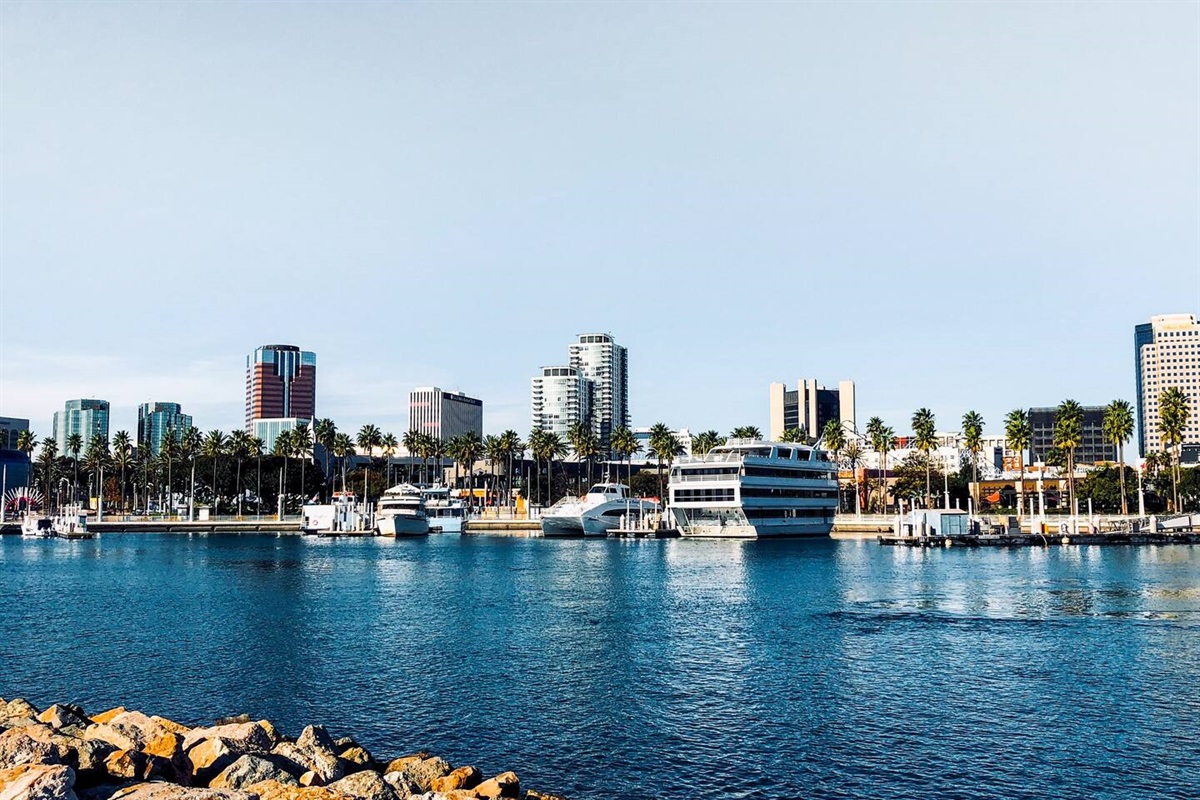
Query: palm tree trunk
x=214, y=487
x=1121, y=466
x=259, y=491
x=239, y=486
x=283, y=490
x=928, y=488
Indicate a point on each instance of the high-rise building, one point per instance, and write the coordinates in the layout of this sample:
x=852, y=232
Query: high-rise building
x=86, y=417
x=605, y=364
x=10, y=431
x=281, y=383
x=560, y=397
x=1166, y=353
x=1094, y=447
x=14, y=464
x=810, y=406
x=269, y=429
x=444, y=415
x=155, y=418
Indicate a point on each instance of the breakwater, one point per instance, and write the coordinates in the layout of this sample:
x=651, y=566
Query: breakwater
x=62, y=752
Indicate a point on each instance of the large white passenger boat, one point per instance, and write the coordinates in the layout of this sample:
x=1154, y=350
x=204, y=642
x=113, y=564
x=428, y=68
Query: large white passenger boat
x=401, y=512
x=596, y=513
x=750, y=489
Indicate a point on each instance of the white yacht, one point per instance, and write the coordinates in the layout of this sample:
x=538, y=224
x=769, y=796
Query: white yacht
x=594, y=514
x=445, y=513
x=401, y=512
x=36, y=526
x=751, y=489
x=71, y=523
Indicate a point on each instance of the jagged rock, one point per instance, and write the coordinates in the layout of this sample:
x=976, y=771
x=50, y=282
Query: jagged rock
x=90, y=755
x=364, y=786
x=129, y=730
x=244, y=737
x=308, y=754
x=398, y=764
x=125, y=764
x=18, y=747
x=232, y=720
x=18, y=708
x=506, y=784
x=355, y=759
x=269, y=729
x=104, y=716
x=169, y=791
x=402, y=785
x=251, y=769
x=310, y=778
x=453, y=794
x=37, y=782
x=102, y=791
x=532, y=795
x=423, y=771
x=168, y=746
x=210, y=758
x=62, y=716
x=462, y=778
x=271, y=790
x=171, y=725
x=315, y=737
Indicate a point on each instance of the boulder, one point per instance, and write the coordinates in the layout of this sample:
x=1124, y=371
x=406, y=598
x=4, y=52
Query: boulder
x=272, y=790
x=355, y=759
x=171, y=725
x=105, y=716
x=461, y=778
x=232, y=720
x=315, y=737
x=129, y=730
x=244, y=737
x=90, y=756
x=506, y=784
x=210, y=758
x=169, y=791
x=423, y=771
x=37, y=782
x=18, y=747
x=62, y=716
x=364, y=786
x=398, y=764
x=18, y=708
x=402, y=785
x=311, y=758
x=125, y=764
x=251, y=769
x=168, y=746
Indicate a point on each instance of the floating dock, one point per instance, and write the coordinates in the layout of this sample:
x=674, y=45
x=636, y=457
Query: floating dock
x=1042, y=540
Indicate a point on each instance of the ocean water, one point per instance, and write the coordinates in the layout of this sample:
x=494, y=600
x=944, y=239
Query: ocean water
x=637, y=669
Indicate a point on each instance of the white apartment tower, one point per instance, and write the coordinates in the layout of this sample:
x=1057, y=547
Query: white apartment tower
x=444, y=415
x=605, y=364
x=1166, y=354
x=560, y=397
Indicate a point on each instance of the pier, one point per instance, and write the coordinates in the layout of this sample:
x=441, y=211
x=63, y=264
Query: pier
x=1042, y=540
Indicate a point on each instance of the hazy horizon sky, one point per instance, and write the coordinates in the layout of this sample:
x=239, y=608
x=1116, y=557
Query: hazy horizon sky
x=956, y=205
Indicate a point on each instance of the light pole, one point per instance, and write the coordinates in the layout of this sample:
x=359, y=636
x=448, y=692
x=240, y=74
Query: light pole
x=1141, y=491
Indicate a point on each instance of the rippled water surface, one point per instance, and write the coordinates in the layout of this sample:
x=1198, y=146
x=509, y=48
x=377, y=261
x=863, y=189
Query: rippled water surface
x=646, y=669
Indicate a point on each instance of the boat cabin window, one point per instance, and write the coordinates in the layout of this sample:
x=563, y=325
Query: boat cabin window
x=784, y=452
x=601, y=489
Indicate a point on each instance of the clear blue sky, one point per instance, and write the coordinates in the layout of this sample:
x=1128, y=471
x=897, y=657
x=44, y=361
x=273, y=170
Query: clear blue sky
x=958, y=205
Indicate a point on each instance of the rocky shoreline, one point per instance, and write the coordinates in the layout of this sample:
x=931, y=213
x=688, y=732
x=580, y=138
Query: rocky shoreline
x=62, y=753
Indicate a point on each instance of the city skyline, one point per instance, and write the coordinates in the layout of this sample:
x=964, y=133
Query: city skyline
x=950, y=198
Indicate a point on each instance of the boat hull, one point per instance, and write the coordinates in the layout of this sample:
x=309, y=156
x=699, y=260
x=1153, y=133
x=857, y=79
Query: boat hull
x=402, y=525
x=562, y=527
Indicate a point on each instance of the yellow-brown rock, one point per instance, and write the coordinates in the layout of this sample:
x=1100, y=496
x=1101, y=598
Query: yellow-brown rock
x=461, y=778
x=506, y=784
x=274, y=790
x=208, y=759
x=58, y=716
x=125, y=764
x=19, y=708
x=168, y=746
x=357, y=758
x=171, y=725
x=36, y=781
x=106, y=716
x=245, y=737
x=398, y=764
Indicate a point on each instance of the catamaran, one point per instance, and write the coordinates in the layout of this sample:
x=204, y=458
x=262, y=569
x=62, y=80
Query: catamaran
x=596, y=513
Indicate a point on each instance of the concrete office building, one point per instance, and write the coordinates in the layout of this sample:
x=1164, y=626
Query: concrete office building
x=559, y=398
x=1093, y=447
x=1166, y=354
x=809, y=407
x=154, y=419
x=281, y=383
x=86, y=417
x=444, y=415
x=605, y=364
x=14, y=464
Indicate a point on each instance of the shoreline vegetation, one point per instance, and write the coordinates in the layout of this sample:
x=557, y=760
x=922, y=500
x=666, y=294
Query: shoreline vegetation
x=63, y=753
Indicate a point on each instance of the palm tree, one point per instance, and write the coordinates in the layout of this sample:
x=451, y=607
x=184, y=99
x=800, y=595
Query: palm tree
x=625, y=444
x=324, y=432
x=389, y=443
x=746, y=432
x=283, y=447
x=470, y=448
x=703, y=443
x=664, y=445
x=239, y=448
x=122, y=457
x=454, y=451
x=1068, y=435
x=255, y=447
x=535, y=442
x=973, y=441
x=189, y=448
x=883, y=441
x=834, y=437
x=1172, y=422
x=302, y=445
x=925, y=439
x=95, y=459
x=514, y=448
x=494, y=450
x=547, y=446
x=853, y=452
x=1018, y=432
x=794, y=435
x=214, y=448
x=47, y=461
x=576, y=437
x=1118, y=428
x=368, y=439
x=411, y=441
x=74, y=446
x=343, y=448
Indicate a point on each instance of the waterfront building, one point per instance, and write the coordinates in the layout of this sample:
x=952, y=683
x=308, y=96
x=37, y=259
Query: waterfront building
x=559, y=398
x=155, y=418
x=86, y=417
x=810, y=406
x=1166, y=354
x=14, y=464
x=605, y=364
x=281, y=383
x=1094, y=448
x=444, y=415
